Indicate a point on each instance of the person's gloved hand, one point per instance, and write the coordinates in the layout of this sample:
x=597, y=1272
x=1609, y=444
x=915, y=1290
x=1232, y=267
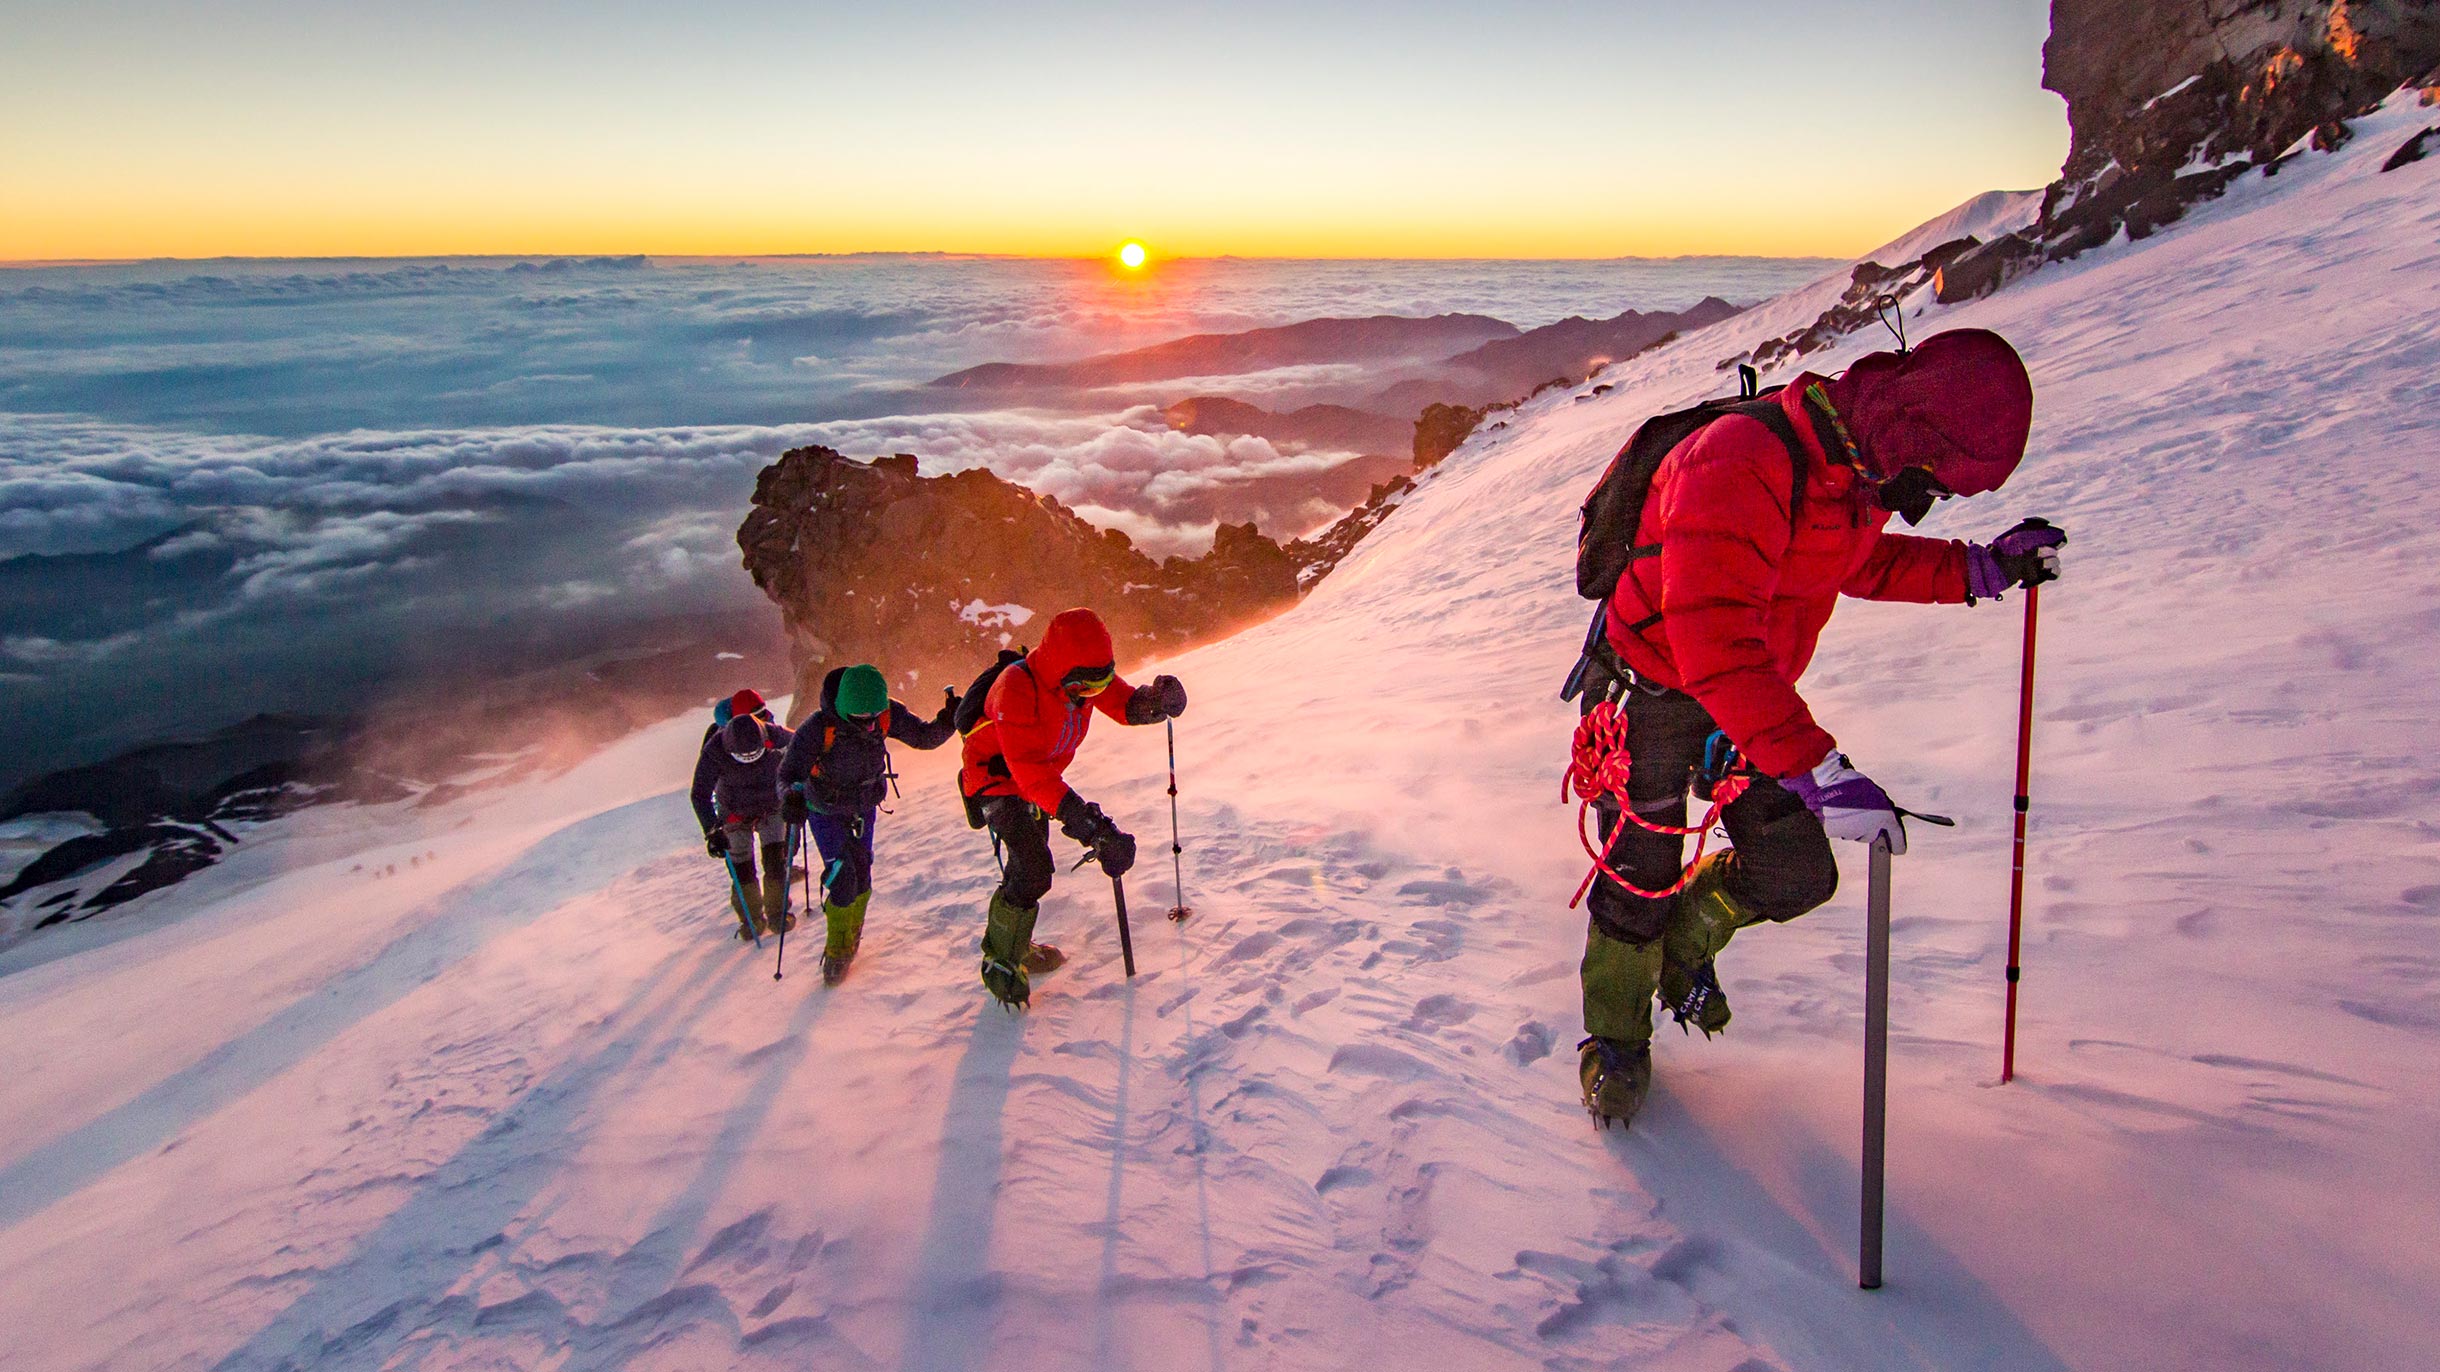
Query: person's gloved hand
x=948, y=708
x=716, y=842
x=1171, y=693
x=1848, y=803
x=1084, y=822
x=1163, y=697
x=792, y=810
x=1115, y=850
x=2026, y=555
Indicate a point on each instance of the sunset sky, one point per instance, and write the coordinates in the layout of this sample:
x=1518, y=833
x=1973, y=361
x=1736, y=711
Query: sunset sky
x=297, y=127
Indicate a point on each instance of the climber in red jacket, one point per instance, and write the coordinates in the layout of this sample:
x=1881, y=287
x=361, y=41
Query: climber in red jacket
x=1035, y=716
x=1708, y=632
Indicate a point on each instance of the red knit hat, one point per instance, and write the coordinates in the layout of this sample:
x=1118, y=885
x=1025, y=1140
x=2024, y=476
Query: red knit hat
x=744, y=703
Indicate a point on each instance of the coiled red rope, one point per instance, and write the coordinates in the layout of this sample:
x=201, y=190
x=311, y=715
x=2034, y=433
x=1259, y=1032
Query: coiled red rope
x=1598, y=765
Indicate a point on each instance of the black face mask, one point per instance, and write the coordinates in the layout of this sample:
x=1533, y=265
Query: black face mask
x=1909, y=494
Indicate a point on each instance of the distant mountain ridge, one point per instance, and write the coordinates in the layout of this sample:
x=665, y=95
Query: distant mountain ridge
x=1460, y=359
x=1335, y=427
x=1377, y=338
x=1573, y=348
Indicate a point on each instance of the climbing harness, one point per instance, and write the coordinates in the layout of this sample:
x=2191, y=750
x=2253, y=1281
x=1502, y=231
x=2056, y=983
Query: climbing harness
x=1597, y=769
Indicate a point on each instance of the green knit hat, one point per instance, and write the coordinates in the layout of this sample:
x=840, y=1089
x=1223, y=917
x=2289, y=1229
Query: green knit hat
x=862, y=691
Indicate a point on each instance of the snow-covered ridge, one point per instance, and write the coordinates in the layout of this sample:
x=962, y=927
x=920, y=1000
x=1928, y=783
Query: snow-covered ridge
x=524, y=1105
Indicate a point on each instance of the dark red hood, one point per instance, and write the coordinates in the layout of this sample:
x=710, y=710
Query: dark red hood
x=1076, y=638
x=1960, y=404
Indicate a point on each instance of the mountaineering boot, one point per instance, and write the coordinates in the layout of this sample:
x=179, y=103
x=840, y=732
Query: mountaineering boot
x=1043, y=957
x=1617, y=1075
x=844, y=929
x=1619, y=978
x=1705, y=917
x=1694, y=997
x=1007, y=933
x=775, y=913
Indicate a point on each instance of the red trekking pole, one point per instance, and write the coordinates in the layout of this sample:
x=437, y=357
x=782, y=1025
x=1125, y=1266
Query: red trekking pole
x=2016, y=865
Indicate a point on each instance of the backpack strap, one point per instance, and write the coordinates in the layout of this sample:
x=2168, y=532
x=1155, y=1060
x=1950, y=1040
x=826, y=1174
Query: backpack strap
x=1776, y=420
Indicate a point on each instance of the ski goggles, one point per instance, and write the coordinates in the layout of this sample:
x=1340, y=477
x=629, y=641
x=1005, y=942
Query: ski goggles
x=1090, y=681
x=754, y=756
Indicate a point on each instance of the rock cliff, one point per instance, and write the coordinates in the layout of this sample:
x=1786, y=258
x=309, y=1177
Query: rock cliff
x=928, y=576
x=2169, y=103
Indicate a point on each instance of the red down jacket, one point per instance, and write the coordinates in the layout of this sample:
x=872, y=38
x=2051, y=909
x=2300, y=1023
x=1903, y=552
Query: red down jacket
x=1031, y=727
x=1732, y=608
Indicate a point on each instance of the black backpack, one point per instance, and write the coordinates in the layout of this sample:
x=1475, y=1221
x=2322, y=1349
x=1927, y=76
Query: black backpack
x=969, y=714
x=855, y=767
x=969, y=717
x=1614, y=511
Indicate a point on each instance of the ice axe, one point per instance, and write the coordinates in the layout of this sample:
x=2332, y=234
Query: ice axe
x=1118, y=892
x=804, y=869
x=1126, y=936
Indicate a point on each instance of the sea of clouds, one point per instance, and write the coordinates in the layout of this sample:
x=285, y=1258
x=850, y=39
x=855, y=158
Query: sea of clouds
x=306, y=478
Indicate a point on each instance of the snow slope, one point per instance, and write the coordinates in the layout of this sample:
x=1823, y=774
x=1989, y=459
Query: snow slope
x=523, y=1105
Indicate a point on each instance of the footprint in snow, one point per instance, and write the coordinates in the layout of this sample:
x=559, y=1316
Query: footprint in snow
x=1439, y=1012
x=1531, y=1044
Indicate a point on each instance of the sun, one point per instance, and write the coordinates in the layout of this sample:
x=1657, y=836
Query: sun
x=1132, y=256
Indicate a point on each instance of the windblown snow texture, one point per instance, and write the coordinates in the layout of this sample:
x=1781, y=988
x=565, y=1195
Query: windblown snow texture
x=527, y=1105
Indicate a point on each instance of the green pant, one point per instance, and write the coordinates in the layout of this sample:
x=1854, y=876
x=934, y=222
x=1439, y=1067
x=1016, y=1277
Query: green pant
x=845, y=925
x=1619, y=981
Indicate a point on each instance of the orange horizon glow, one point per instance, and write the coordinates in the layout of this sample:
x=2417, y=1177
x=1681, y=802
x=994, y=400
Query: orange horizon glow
x=238, y=132
x=63, y=235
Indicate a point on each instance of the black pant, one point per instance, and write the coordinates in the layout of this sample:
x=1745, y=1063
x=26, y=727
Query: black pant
x=1780, y=868
x=1024, y=832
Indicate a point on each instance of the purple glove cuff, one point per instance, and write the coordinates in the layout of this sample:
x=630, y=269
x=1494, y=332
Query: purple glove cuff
x=1984, y=579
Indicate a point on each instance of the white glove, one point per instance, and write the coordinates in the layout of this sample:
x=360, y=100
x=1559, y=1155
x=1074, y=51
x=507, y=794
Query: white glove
x=1849, y=804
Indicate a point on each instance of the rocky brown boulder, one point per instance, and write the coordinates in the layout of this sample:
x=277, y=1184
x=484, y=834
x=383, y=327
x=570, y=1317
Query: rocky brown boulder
x=871, y=561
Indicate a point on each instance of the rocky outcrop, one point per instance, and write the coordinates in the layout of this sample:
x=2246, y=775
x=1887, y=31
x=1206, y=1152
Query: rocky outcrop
x=2169, y=103
x=871, y=561
x=1440, y=429
x=1860, y=304
x=1315, y=556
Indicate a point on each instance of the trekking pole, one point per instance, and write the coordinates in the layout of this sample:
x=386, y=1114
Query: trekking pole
x=781, y=962
x=2024, y=803
x=1177, y=870
x=1876, y=1064
x=745, y=918
x=1126, y=937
